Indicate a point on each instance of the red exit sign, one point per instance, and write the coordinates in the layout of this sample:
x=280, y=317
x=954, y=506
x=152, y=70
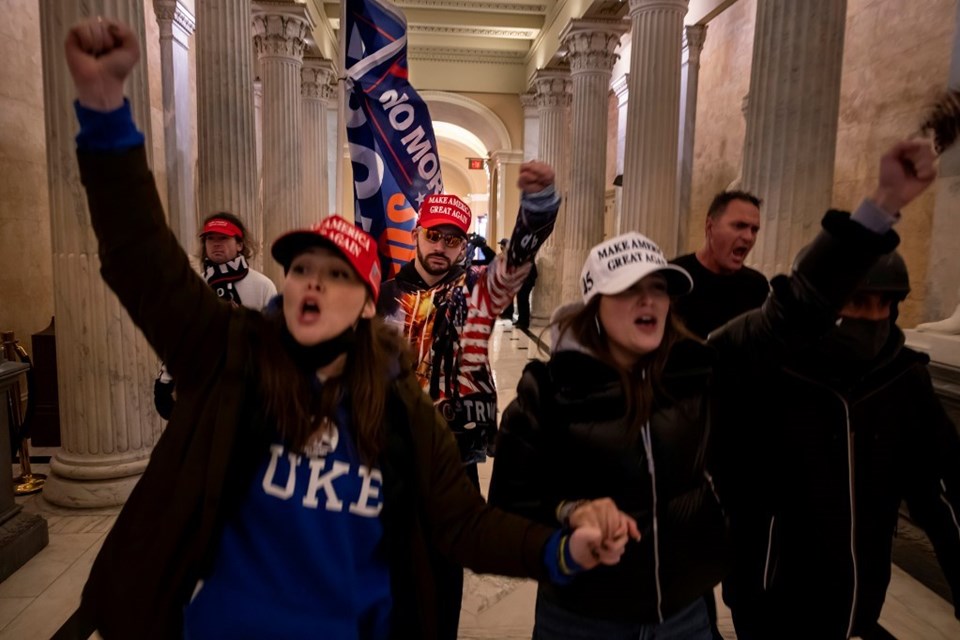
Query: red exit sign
x=475, y=163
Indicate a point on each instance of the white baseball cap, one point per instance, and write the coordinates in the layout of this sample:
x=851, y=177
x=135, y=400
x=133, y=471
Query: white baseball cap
x=615, y=265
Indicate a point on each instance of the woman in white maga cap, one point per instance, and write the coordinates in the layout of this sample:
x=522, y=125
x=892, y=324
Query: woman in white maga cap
x=584, y=422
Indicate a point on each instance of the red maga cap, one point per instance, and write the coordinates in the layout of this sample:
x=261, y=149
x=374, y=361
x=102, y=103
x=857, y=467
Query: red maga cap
x=353, y=243
x=441, y=209
x=223, y=227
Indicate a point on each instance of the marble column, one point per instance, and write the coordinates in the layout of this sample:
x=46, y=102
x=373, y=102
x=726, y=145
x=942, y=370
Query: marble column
x=650, y=199
x=531, y=126
x=258, y=126
x=507, y=165
x=553, y=91
x=105, y=368
x=590, y=48
x=333, y=124
x=316, y=94
x=620, y=87
x=226, y=147
x=280, y=30
x=693, y=37
x=791, y=135
x=176, y=26
x=944, y=266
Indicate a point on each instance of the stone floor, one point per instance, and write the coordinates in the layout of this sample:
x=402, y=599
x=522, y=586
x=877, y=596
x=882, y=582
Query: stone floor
x=36, y=600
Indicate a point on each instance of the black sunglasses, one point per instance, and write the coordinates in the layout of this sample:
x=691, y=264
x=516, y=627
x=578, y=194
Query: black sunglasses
x=450, y=241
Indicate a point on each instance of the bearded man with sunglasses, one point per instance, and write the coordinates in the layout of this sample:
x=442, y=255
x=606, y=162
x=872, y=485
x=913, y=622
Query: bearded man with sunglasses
x=447, y=312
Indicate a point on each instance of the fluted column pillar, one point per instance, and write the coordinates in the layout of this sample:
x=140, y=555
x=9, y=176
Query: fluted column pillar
x=176, y=26
x=553, y=91
x=791, y=137
x=258, y=126
x=333, y=123
x=531, y=126
x=621, y=92
x=227, y=171
x=650, y=202
x=105, y=368
x=316, y=93
x=590, y=48
x=693, y=38
x=507, y=166
x=280, y=29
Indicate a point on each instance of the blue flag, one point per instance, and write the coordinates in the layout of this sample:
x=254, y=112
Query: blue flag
x=392, y=146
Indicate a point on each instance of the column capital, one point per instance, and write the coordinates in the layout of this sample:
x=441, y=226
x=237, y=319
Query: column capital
x=506, y=156
x=639, y=6
x=280, y=29
x=315, y=78
x=172, y=13
x=591, y=43
x=553, y=88
x=528, y=101
x=694, y=36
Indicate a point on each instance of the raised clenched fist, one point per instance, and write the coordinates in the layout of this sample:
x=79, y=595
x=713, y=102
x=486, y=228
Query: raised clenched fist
x=535, y=176
x=101, y=53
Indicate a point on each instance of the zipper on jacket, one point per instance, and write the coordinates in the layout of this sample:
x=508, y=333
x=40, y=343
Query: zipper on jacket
x=766, y=563
x=853, y=516
x=850, y=488
x=648, y=444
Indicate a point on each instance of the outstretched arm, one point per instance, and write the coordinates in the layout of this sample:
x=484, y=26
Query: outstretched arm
x=140, y=258
x=538, y=214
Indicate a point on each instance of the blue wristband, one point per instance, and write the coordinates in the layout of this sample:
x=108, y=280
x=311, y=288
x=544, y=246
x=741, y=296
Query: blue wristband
x=559, y=560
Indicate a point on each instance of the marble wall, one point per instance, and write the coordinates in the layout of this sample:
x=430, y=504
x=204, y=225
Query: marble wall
x=26, y=268
x=724, y=81
x=896, y=56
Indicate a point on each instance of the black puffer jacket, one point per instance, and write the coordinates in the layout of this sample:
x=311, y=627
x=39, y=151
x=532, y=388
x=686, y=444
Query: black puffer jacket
x=815, y=467
x=566, y=437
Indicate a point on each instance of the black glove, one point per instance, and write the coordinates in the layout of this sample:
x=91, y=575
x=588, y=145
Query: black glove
x=163, y=398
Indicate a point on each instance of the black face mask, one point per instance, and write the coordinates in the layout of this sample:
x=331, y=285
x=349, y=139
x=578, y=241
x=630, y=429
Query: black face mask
x=320, y=355
x=856, y=341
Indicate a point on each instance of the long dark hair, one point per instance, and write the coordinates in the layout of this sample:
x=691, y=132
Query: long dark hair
x=249, y=244
x=290, y=395
x=641, y=383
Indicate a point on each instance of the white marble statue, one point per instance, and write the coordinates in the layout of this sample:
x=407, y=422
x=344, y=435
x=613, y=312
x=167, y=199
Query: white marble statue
x=949, y=326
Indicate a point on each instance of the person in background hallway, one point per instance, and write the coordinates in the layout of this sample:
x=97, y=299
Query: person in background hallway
x=523, y=295
x=305, y=477
x=477, y=243
x=631, y=406
x=723, y=286
x=833, y=436
x=447, y=311
x=225, y=248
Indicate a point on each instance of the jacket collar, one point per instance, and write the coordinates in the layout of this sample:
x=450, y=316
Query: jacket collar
x=409, y=276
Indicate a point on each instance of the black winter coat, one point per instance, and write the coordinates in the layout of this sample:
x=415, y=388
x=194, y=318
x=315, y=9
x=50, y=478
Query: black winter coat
x=566, y=437
x=814, y=474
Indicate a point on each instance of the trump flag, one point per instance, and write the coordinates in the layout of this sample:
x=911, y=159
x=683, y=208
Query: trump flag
x=392, y=145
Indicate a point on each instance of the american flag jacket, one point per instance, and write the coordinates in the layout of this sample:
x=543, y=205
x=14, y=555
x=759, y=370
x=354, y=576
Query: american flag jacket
x=449, y=325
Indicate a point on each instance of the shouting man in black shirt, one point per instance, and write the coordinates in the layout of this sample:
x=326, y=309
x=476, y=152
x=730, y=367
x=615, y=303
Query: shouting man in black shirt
x=723, y=287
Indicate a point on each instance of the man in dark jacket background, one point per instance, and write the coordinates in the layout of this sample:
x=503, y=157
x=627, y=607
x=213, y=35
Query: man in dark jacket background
x=835, y=435
x=723, y=286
